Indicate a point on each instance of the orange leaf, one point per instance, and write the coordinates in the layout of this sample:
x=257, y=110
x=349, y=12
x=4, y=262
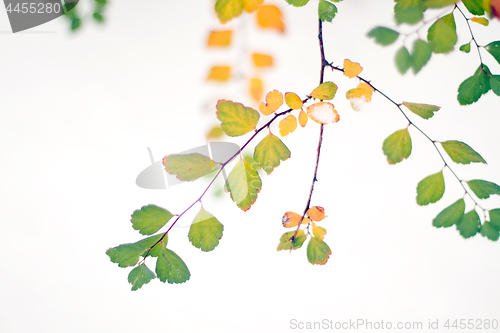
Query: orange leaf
x=288, y=125
x=270, y=17
x=293, y=101
x=221, y=38
x=303, y=118
x=316, y=213
x=352, y=69
x=363, y=93
x=291, y=219
x=274, y=99
x=323, y=113
x=219, y=73
x=262, y=60
x=256, y=89
x=251, y=5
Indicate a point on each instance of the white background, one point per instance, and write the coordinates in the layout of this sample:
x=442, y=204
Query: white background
x=78, y=112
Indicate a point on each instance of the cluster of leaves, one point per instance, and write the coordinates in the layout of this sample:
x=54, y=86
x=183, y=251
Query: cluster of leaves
x=441, y=38
x=318, y=251
x=74, y=16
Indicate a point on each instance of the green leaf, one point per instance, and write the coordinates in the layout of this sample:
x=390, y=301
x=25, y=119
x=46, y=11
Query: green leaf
x=469, y=224
x=205, y=231
x=425, y=111
x=489, y=231
x=465, y=48
x=495, y=84
x=140, y=276
x=495, y=217
x=297, y=3
x=243, y=184
x=318, y=251
x=125, y=254
x=397, y=146
x=98, y=17
x=170, y=267
x=285, y=240
x=188, y=167
x=408, y=11
x=420, y=56
x=450, y=215
x=430, y=189
x=442, y=35
x=325, y=91
x=403, y=60
x=228, y=9
x=150, y=241
x=483, y=189
x=438, y=3
x=319, y=232
x=326, y=11
x=269, y=152
x=475, y=7
x=383, y=36
x=461, y=152
x=236, y=119
x=149, y=219
x=475, y=86
x=494, y=49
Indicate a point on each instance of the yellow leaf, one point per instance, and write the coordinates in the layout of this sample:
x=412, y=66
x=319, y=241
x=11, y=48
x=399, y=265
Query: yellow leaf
x=221, y=38
x=362, y=93
x=251, y=5
x=215, y=133
x=256, y=89
x=262, y=60
x=288, y=125
x=228, y=9
x=303, y=118
x=316, y=213
x=318, y=232
x=291, y=219
x=293, y=101
x=323, y=113
x=219, y=73
x=270, y=17
x=480, y=20
x=274, y=99
x=352, y=69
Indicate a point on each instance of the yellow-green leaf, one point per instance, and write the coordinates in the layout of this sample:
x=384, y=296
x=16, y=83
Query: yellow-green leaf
x=319, y=232
x=205, y=231
x=481, y=20
x=425, y=111
x=318, y=251
x=285, y=240
x=397, y=146
x=125, y=254
x=269, y=152
x=438, y=3
x=149, y=219
x=325, y=91
x=228, y=9
x=236, y=119
x=188, y=167
x=442, y=35
x=461, y=152
x=430, y=189
x=243, y=184
x=293, y=101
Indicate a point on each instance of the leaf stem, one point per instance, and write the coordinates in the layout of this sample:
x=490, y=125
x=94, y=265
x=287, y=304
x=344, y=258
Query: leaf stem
x=471, y=33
